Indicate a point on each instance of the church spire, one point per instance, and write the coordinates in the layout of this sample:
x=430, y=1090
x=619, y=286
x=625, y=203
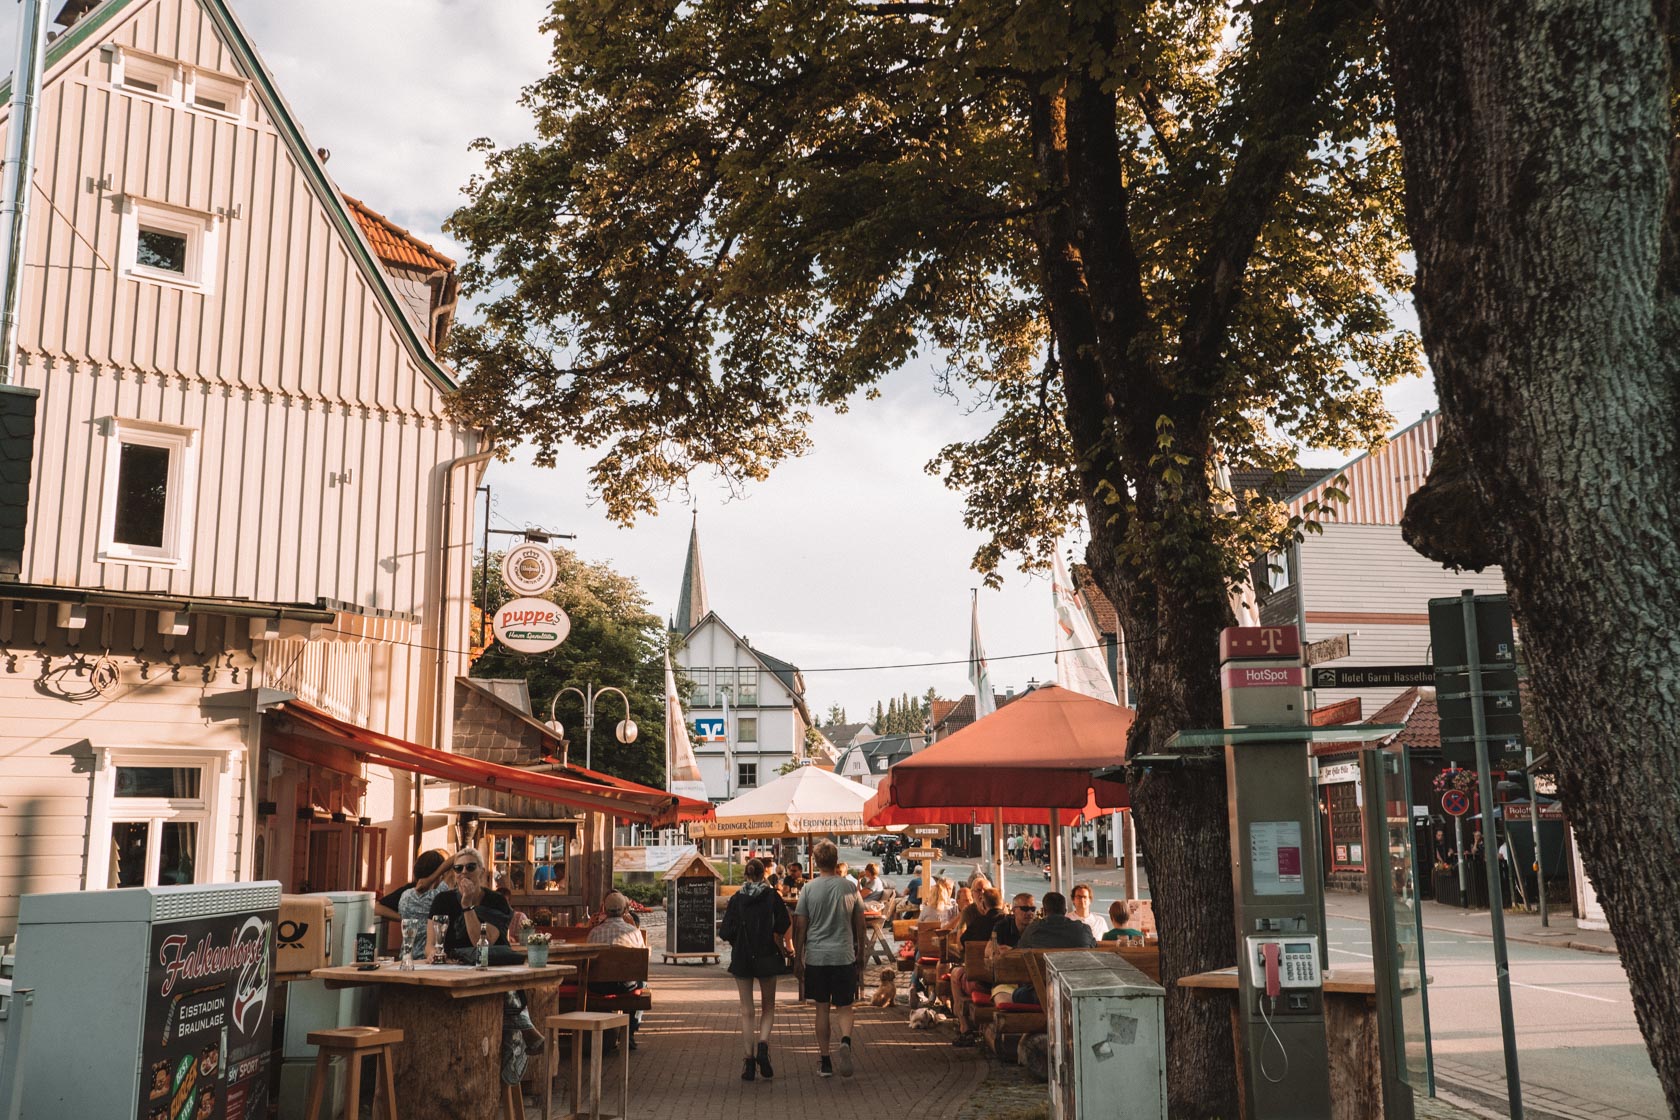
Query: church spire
x=691, y=601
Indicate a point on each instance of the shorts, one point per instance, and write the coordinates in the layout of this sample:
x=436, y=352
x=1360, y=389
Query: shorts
x=833, y=984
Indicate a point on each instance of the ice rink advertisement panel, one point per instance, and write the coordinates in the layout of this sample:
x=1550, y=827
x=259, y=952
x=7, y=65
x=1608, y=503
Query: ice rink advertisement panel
x=208, y=1019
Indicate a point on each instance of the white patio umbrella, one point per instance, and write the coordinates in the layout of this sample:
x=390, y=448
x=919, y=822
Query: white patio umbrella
x=808, y=801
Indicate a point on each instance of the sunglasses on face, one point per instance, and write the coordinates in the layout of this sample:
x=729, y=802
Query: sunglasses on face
x=469, y=868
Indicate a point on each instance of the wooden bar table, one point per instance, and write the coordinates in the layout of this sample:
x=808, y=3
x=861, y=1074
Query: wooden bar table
x=449, y=1063
x=1350, y=1027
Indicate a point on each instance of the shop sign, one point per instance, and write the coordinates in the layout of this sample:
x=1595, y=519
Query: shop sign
x=1338, y=773
x=529, y=569
x=208, y=1019
x=531, y=625
x=709, y=729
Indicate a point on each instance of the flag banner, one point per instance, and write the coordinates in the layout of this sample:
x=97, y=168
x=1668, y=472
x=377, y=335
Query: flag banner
x=682, y=770
x=1080, y=662
x=985, y=703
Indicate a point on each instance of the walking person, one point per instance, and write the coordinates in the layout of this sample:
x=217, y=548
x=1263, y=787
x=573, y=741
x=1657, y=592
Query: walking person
x=828, y=933
x=756, y=926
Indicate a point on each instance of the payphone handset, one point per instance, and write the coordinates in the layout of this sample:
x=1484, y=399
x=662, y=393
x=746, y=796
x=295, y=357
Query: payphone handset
x=1275, y=963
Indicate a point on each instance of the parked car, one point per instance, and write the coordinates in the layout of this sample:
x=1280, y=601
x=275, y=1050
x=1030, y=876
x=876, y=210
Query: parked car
x=877, y=845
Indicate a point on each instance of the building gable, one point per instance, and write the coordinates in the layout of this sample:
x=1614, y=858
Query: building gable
x=294, y=300
x=1378, y=483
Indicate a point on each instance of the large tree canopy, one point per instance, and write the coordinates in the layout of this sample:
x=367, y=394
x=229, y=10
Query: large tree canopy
x=1541, y=152
x=1154, y=234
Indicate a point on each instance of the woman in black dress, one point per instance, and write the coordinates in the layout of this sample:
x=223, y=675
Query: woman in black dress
x=756, y=926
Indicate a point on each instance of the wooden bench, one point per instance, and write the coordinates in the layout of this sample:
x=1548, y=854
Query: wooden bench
x=614, y=964
x=976, y=1008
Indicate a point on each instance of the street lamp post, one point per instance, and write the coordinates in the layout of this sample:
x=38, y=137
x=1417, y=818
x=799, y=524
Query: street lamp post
x=625, y=732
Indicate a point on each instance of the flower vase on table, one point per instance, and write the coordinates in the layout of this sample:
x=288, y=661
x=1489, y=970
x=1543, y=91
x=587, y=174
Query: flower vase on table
x=536, y=950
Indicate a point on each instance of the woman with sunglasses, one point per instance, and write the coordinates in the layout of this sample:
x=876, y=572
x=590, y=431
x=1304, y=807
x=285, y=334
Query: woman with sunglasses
x=472, y=908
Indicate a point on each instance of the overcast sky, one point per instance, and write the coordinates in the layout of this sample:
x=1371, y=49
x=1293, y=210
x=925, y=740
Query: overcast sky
x=852, y=556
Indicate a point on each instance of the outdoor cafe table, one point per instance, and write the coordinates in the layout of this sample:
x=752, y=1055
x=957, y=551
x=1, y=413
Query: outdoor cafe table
x=449, y=1063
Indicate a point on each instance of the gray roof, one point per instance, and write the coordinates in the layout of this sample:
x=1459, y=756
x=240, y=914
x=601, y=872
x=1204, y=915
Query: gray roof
x=842, y=734
x=691, y=600
x=514, y=691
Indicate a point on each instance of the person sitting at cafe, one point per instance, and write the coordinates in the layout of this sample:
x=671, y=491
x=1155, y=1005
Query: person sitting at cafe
x=939, y=906
x=413, y=903
x=977, y=931
x=616, y=928
x=1130, y=918
x=870, y=886
x=473, y=910
x=1054, y=929
x=1082, y=912
x=1006, y=935
x=963, y=905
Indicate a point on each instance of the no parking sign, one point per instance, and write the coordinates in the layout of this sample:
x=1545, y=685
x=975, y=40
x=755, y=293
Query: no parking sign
x=1455, y=802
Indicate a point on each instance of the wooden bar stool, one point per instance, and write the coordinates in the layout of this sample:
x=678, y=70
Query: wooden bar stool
x=593, y=1025
x=354, y=1043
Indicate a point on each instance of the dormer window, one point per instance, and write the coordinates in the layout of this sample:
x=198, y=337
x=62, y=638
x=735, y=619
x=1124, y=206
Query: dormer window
x=146, y=74
x=215, y=92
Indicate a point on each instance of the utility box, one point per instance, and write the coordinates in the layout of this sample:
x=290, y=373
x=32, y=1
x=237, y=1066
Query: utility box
x=1108, y=1039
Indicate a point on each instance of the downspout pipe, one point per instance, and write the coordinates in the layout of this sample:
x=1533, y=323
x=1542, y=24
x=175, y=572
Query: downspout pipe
x=18, y=175
x=446, y=541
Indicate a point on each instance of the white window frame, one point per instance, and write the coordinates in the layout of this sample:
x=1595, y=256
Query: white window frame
x=127, y=62
x=747, y=687
x=182, y=445
x=198, y=227
x=1280, y=570
x=223, y=87
x=211, y=810
x=744, y=724
x=741, y=775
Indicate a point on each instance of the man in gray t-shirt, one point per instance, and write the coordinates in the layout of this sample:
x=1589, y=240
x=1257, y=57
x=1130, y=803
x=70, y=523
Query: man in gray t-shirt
x=828, y=940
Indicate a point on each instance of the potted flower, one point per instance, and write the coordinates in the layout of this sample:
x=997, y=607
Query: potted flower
x=536, y=950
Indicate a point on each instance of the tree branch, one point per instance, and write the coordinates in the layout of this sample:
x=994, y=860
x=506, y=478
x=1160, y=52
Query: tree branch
x=1295, y=61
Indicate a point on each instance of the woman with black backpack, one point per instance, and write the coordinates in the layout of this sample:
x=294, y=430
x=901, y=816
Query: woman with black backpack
x=756, y=926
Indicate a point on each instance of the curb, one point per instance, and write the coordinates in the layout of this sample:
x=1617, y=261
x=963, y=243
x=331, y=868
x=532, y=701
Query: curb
x=1525, y=939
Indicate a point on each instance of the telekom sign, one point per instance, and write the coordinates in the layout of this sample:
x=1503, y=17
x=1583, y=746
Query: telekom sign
x=1260, y=643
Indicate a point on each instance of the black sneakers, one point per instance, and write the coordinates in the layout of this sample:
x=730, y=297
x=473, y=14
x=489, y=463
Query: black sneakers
x=764, y=1069
x=748, y=1069
x=825, y=1066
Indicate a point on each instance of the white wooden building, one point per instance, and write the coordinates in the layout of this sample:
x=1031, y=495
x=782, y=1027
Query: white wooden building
x=245, y=488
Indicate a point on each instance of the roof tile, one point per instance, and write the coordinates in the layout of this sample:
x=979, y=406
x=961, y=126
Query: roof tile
x=394, y=244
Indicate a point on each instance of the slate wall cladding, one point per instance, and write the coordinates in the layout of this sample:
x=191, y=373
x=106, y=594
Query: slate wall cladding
x=17, y=454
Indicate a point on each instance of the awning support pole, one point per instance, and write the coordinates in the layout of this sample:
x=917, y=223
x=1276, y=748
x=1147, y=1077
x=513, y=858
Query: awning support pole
x=1055, y=838
x=998, y=848
x=1128, y=835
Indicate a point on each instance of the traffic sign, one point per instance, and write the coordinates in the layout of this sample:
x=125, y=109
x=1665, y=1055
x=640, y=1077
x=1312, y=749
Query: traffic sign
x=1455, y=802
x=1373, y=676
x=1500, y=703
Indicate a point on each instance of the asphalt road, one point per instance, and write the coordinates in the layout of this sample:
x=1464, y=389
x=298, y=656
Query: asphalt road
x=1580, y=1053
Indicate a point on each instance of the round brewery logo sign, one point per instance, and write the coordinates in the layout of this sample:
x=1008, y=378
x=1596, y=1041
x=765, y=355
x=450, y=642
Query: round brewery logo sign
x=531, y=625
x=529, y=569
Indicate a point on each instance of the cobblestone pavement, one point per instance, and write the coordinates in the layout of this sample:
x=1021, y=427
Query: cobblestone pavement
x=689, y=1061
x=1483, y=1095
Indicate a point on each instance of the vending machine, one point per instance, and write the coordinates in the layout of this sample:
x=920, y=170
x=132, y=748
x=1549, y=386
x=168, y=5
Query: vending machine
x=150, y=1002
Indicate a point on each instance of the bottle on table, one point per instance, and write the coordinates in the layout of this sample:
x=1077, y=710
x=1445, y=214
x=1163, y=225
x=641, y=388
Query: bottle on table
x=483, y=957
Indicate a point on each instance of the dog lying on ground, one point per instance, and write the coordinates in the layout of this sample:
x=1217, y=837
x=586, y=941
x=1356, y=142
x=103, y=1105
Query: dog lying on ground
x=888, y=991
x=923, y=1019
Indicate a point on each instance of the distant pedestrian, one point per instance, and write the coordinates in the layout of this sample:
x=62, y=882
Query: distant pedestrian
x=1037, y=848
x=828, y=935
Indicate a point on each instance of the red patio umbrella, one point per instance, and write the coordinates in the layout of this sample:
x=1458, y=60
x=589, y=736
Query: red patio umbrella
x=1035, y=753
x=883, y=811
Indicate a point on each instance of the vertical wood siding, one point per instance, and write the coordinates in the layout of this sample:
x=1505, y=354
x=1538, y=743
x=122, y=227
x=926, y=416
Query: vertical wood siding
x=288, y=367
x=1379, y=484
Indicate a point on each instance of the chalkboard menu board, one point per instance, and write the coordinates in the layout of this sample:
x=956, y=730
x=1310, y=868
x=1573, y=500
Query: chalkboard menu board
x=691, y=915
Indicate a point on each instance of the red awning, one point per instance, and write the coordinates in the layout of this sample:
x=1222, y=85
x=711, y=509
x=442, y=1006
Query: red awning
x=882, y=811
x=1035, y=753
x=626, y=800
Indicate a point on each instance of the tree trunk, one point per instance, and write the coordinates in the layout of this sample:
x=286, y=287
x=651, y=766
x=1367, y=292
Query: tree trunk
x=1536, y=141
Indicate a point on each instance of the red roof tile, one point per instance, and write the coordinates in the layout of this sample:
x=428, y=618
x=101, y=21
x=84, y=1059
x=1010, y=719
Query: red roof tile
x=394, y=244
x=1101, y=610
